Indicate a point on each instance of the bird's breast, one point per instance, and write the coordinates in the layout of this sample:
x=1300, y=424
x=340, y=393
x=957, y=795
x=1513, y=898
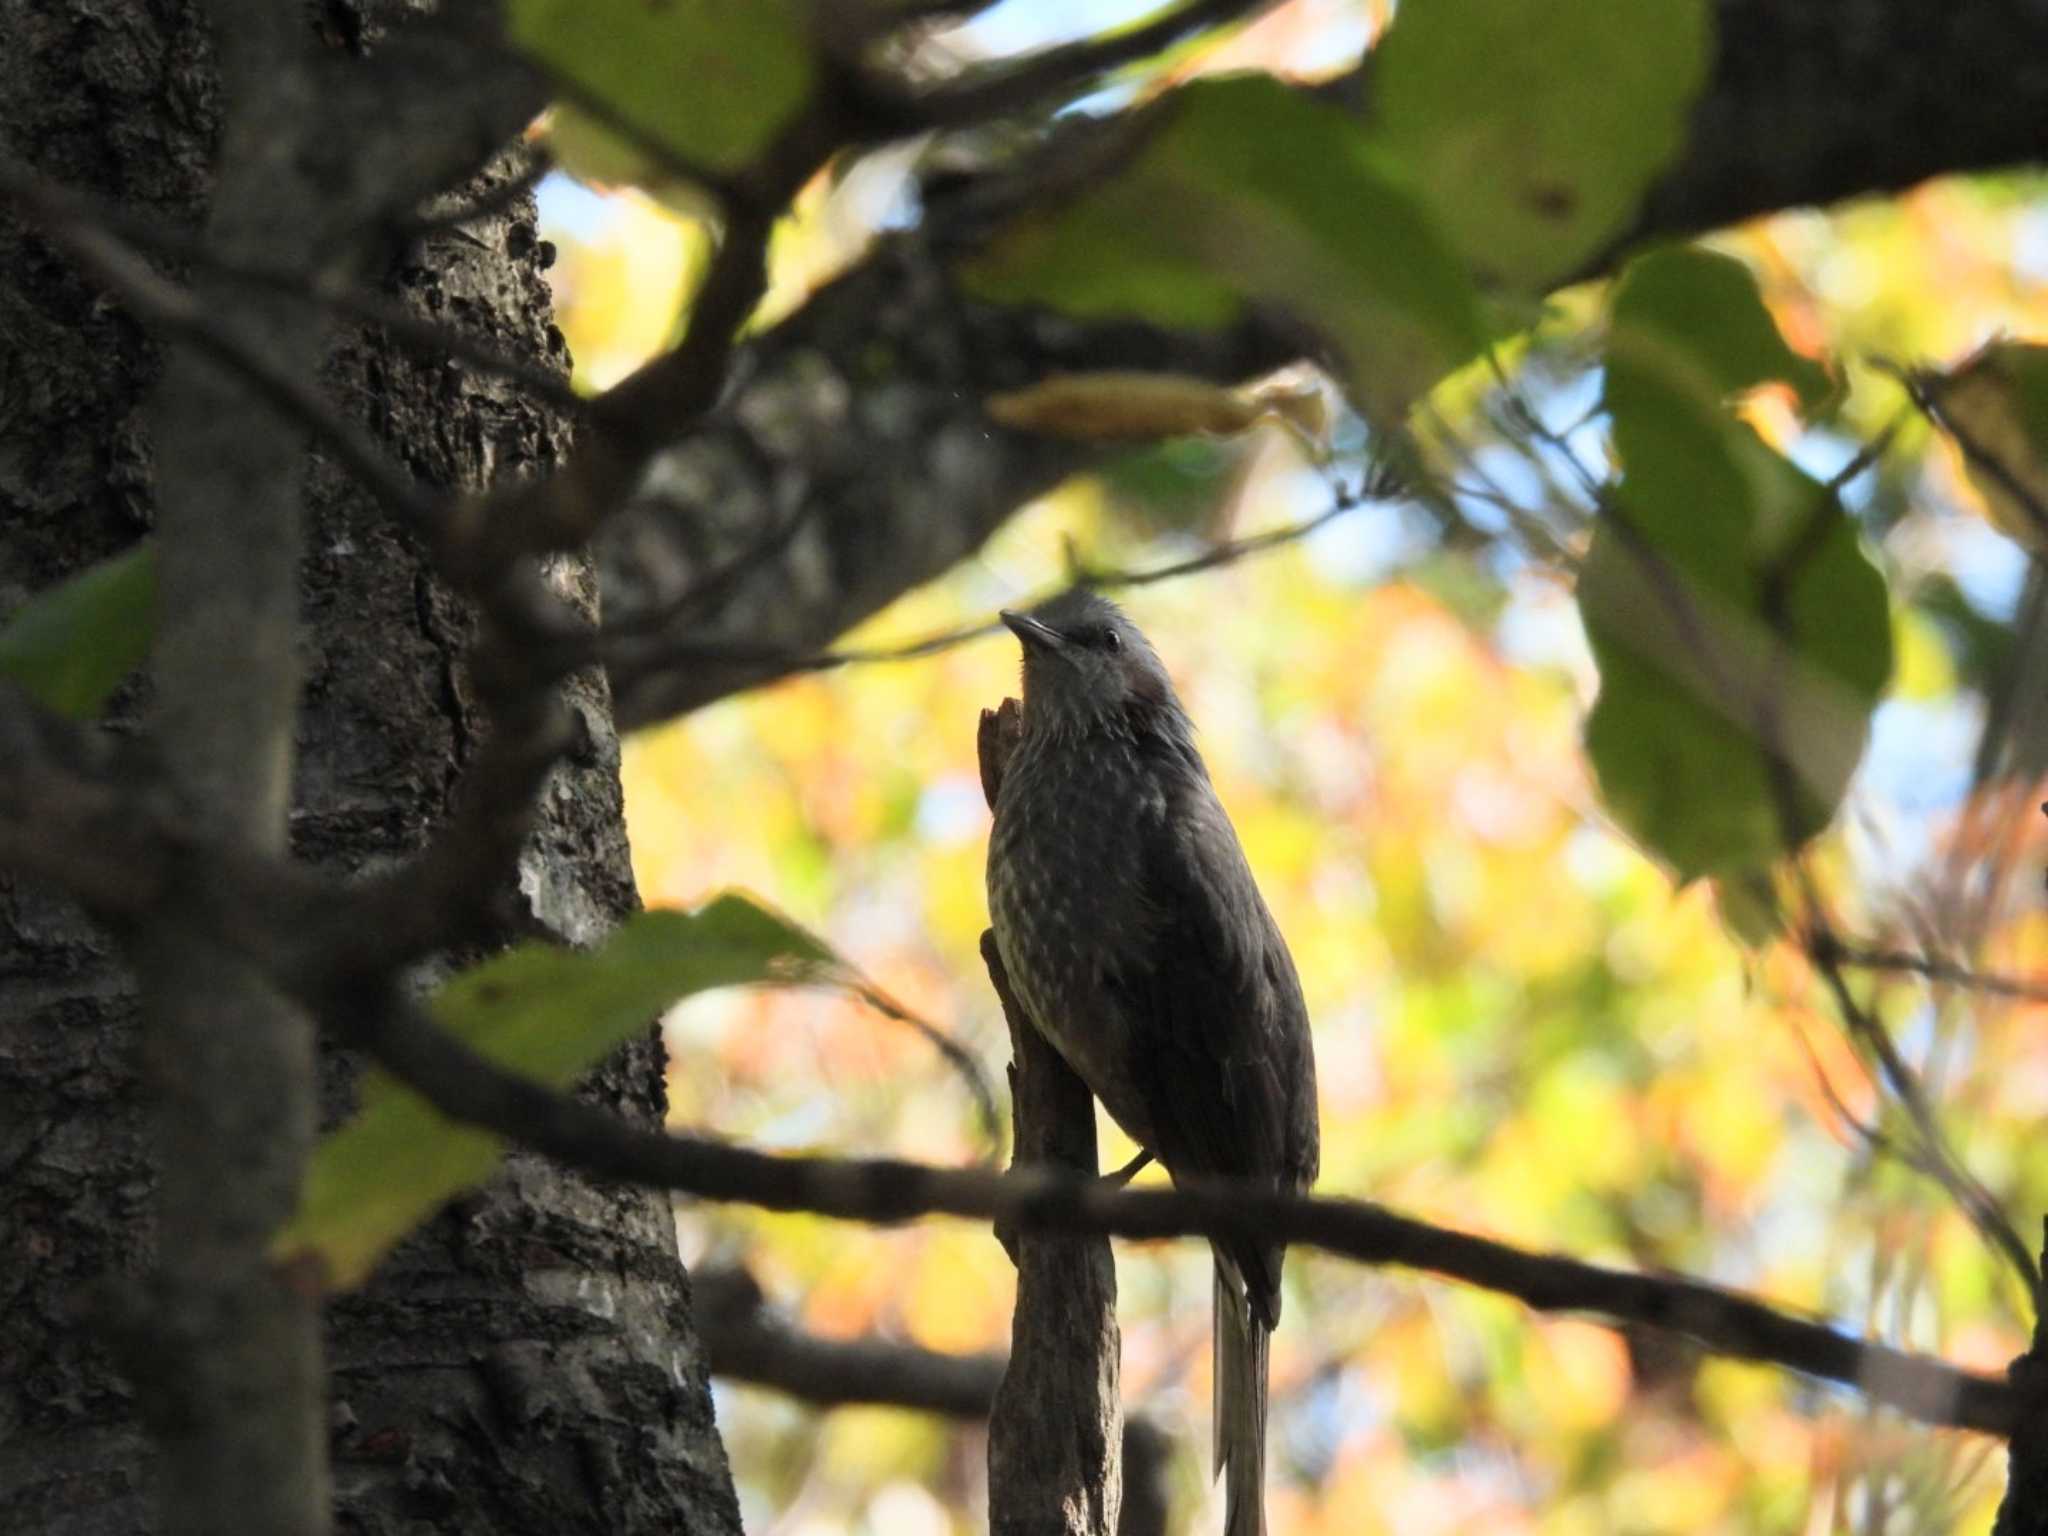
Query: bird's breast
x=1065, y=879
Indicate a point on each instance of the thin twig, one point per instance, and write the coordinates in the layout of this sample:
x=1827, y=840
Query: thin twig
x=1946, y=972
x=1866, y=456
x=471, y=1088
x=630, y=422
x=1016, y=87
x=956, y=1055
x=1938, y=1159
x=747, y=1340
x=1227, y=553
x=1932, y=1154
x=1924, y=389
x=631, y=658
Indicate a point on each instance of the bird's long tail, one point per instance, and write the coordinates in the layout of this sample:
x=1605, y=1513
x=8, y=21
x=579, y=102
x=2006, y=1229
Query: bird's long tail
x=1239, y=1405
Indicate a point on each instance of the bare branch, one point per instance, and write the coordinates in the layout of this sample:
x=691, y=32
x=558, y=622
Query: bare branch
x=1936, y=1157
x=956, y=1055
x=1930, y=1152
x=474, y=1090
x=629, y=423
x=229, y=1062
x=744, y=1340
x=1925, y=390
x=634, y=659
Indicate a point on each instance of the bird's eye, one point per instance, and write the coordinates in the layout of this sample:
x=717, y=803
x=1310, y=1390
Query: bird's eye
x=1111, y=640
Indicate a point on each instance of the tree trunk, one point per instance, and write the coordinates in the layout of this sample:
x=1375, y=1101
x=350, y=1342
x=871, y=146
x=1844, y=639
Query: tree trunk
x=527, y=1362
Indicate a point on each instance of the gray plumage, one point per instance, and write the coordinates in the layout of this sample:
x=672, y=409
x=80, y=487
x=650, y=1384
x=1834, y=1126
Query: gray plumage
x=1137, y=941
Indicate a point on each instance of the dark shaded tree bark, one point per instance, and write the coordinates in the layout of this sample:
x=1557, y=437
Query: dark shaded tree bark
x=527, y=1361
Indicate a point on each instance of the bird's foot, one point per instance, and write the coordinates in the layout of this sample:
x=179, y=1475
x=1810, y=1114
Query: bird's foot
x=1129, y=1171
x=1006, y=1226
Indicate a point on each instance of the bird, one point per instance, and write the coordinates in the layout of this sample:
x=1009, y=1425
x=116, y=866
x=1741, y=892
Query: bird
x=1135, y=939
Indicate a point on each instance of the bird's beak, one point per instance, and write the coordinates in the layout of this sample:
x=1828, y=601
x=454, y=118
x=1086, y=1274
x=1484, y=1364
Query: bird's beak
x=1036, y=634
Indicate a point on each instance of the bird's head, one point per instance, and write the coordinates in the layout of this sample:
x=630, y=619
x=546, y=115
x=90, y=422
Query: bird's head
x=1087, y=665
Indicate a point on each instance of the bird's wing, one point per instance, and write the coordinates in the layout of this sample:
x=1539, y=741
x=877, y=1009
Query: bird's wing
x=1214, y=1007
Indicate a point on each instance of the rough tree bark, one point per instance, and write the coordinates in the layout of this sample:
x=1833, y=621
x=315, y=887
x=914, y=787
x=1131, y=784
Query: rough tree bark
x=527, y=1362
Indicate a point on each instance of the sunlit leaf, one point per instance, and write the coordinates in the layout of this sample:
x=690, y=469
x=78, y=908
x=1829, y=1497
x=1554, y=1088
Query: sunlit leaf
x=695, y=83
x=1243, y=191
x=1742, y=635
x=546, y=1012
x=1116, y=405
x=71, y=646
x=1996, y=406
x=1528, y=164
x=603, y=156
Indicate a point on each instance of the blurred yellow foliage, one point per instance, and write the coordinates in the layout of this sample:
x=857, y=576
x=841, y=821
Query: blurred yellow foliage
x=1522, y=1027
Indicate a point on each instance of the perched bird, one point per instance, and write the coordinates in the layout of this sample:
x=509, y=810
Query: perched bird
x=1137, y=941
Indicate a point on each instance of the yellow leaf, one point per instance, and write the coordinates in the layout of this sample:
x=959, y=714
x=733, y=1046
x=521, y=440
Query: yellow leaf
x=1996, y=405
x=1126, y=407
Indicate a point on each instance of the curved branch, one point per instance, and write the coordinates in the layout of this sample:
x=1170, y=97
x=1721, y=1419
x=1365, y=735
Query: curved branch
x=745, y=1341
x=858, y=423
x=471, y=1088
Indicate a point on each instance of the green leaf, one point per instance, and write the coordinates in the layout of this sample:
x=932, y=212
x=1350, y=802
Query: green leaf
x=1750, y=909
x=71, y=646
x=707, y=82
x=1174, y=486
x=1533, y=131
x=1743, y=637
x=546, y=1012
x=1694, y=319
x=1242, y=191
x=1995, y=404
